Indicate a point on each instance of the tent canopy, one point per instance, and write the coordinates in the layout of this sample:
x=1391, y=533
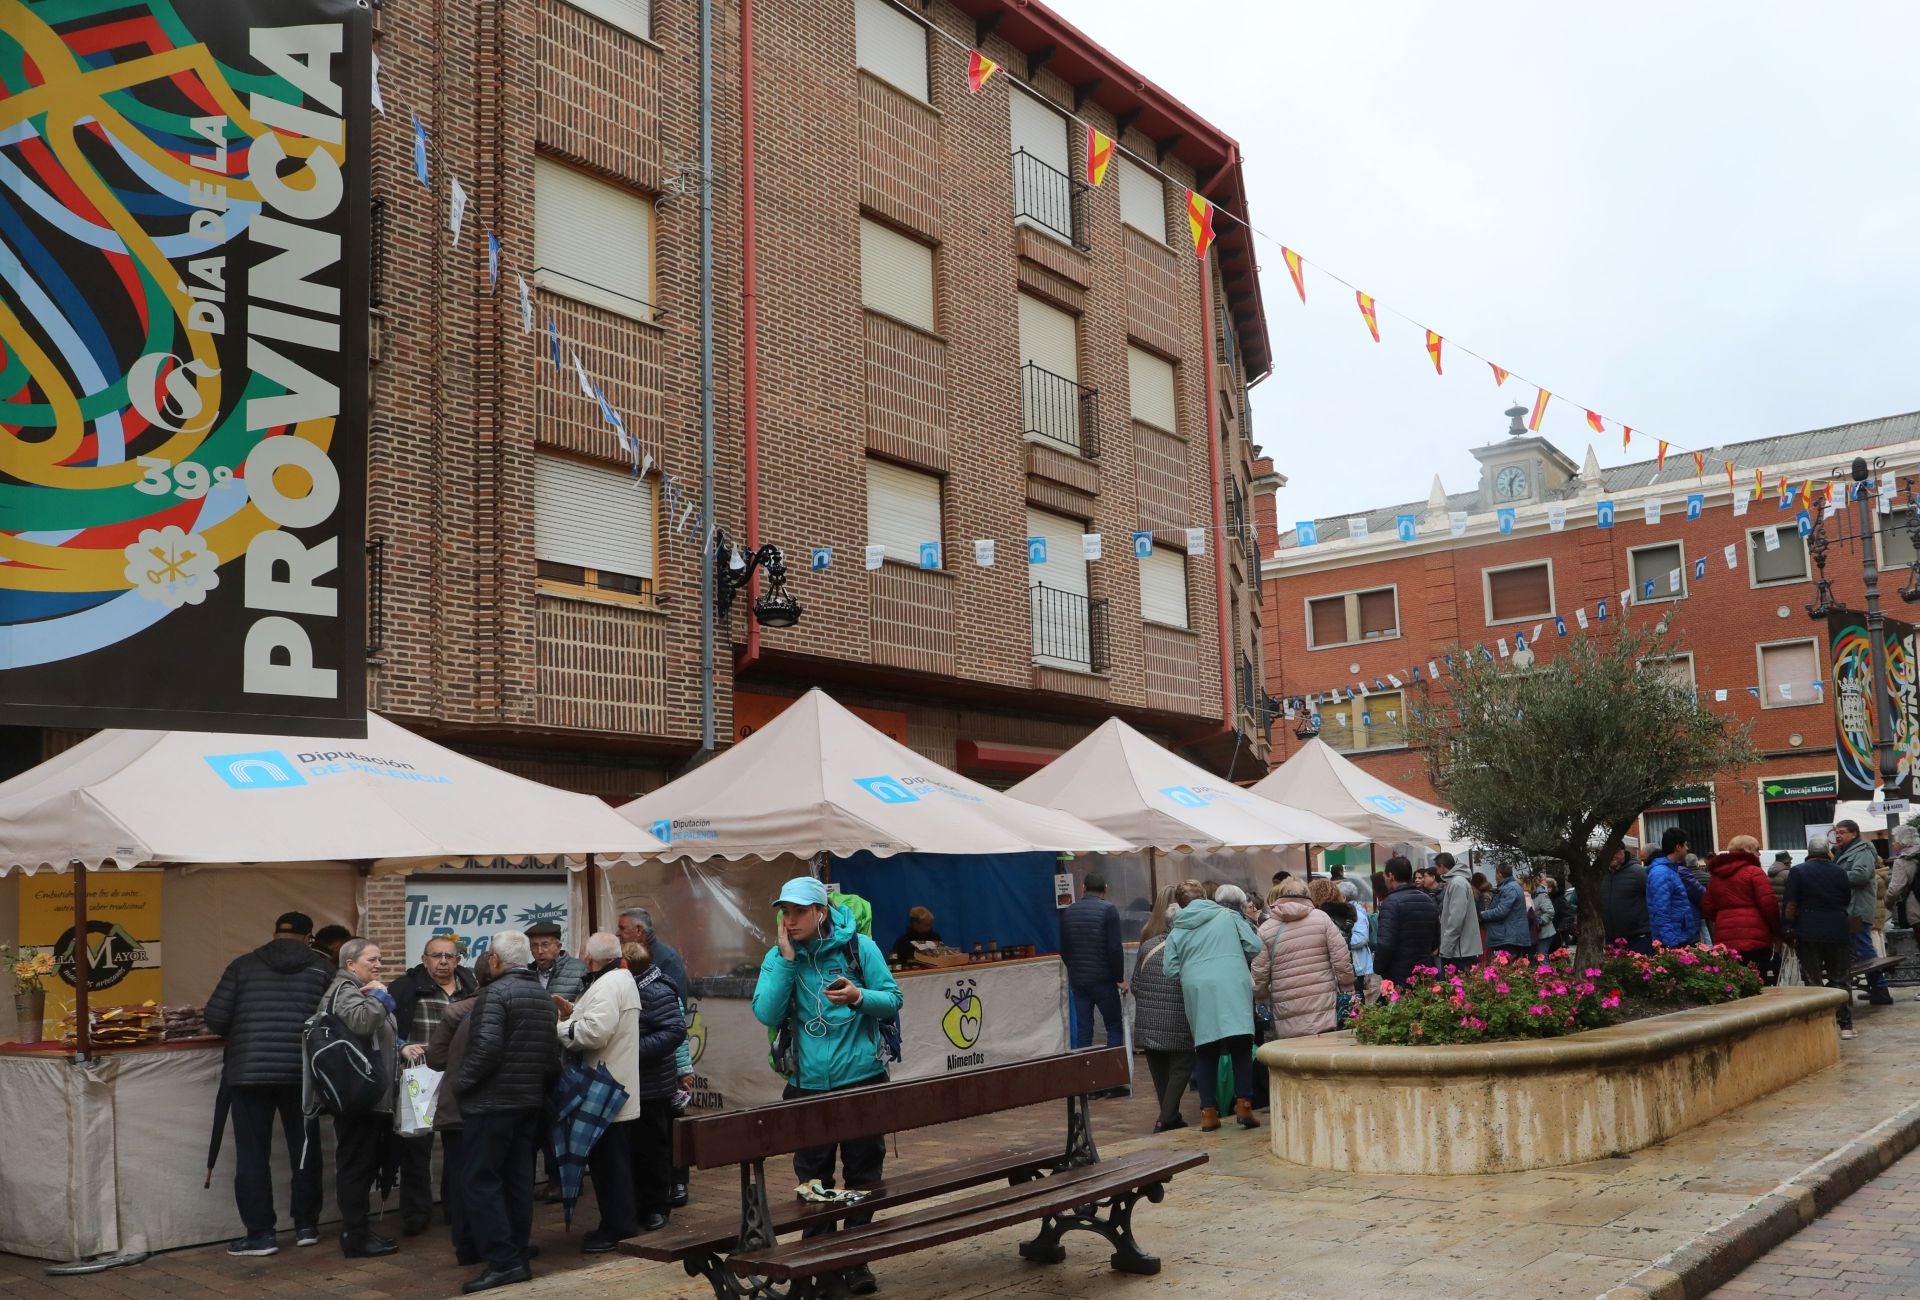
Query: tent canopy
x=130, y=798
x=1126, y=783
x=817, y=779
x=1318, y=778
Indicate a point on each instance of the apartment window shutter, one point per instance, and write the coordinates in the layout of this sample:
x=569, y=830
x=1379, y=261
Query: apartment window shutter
x=1656, y=564
x=592, y=240
x=1143, y=199
x=1163, y=588
x=591, y=517
x=1519, y=593
x=891, y=45
x=634, y=16
x=1150, y=390
x=1040, y=130
x=903, y=510
x=896, y=275
x=1796, y=664
x=1377, y=614
x=1064, y=570
x=1049, y=338
x=1786, y=564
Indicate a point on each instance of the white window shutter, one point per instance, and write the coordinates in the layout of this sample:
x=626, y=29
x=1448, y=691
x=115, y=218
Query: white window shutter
x=634, y=16
x=1163, y=587
x=592, y=240
x=1040, y=130
x=903, y=510
x=1064, y=570
x=891, y=45
x=592, y=517
x=1143, y=199
x=1150, y=390
x=1049, y=338
x=896, y=275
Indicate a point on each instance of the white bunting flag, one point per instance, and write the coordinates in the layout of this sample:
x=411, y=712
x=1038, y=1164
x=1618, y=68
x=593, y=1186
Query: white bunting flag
x=646, y=463
x=1534, y=636
x=1433, y=668
x=1786, y=690
x=1720, y=697
x=876, y=554
x=1457, y=522
x=1393, y=681
x=1733, y=556
x=1502, y=643
x=1196, y=542
x=983, y=552
x=526, y=306
x=1580, y=617
x=1653, y=512
x=1833, y=508
x=1090, y=546
x=686, y=517
x=586, y=384
x=1673, y=580
x=379, y=104
x=1357, y=528
x=1556, y=516
x=1626, y=598
x=1741, y=498
x=457, y=213
x=1773, y=538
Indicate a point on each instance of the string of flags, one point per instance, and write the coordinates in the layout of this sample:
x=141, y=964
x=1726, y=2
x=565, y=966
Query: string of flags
x=931, y=554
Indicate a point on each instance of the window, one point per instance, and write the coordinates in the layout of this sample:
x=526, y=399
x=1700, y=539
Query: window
x=1043, y=189
x=1785, y=563
x=1353, y=616
x=1050, y=372
x=1376, y=721
x=896, y=275
x=1801, y=802
x=634, y=16
x=593, y=527
x=890, y=44
x=1658, y=564
x=1150, y=390
x=1788, y=670
x=1066, y=631
x=903, y=510
x=1697, y=823
x=1519, y=591
x=1896, y=547
x=1677, y=667
x=592, y=241
x=1143, y=199
x=1163, y=587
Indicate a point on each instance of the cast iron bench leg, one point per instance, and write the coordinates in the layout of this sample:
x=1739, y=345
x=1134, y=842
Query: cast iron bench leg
x=1116, y=1226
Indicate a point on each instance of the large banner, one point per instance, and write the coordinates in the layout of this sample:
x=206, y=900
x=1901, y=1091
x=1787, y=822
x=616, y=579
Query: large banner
x=1855, y=714
x=184, y=266
x=123, y=935
x=472, y=909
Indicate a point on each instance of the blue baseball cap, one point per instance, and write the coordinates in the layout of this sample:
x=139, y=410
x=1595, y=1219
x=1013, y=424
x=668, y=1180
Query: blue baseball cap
x=803, y=891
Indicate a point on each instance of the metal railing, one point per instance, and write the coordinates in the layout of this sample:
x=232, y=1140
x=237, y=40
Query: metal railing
x=1049, y=198
x=1060, y=410
x=1240, y=524
x=1252, y=699
x=1069, y=628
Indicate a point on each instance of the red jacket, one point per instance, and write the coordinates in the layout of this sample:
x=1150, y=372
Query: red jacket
x=1740, y=905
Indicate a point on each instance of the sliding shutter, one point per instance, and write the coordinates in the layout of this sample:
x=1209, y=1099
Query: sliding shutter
x=903, y=510
x=1038, y=129
x=1048, y=338
x=896, y=275
x=592, y=240
x=1064, y=570
x=1143, y=199
x=634, y=16
x=1150, y=390
x=591, y=517
x=1163, y=588
x=891, y=45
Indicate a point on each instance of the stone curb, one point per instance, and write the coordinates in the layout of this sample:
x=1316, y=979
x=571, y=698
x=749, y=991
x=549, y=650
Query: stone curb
x=1713, y=1258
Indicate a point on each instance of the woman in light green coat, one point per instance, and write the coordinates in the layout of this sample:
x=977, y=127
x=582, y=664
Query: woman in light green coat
x=1208, y=952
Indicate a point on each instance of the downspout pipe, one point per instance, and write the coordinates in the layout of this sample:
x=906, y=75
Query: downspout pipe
x=709, y=606
x=1218, y=498
x=749, y=319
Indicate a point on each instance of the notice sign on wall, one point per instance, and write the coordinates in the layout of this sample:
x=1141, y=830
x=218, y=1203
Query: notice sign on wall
x=183, y=370
x=123, y=935
x=474, y=909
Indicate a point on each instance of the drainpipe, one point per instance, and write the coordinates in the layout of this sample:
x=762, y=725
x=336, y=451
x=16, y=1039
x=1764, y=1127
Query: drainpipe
x=1226, y=724
x=708, y=602
x=749, y=320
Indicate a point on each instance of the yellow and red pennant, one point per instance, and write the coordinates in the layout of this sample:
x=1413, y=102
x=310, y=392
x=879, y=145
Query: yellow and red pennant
x=1699, y=464
x=1626, y=436
x=1368, y=313
x=1759, y=485
x=1294, y=270
x=1660, y=461
x=1595, y=423
x=1806, y=495
x=1499, y=375
x=1099, y=155
x=1433, y=349
x=1200, y=223
x=1731, y=486
x=1540, y=401
x=980, y=70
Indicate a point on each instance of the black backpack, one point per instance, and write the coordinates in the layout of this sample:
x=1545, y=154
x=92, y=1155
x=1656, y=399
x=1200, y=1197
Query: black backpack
x=346, y=1081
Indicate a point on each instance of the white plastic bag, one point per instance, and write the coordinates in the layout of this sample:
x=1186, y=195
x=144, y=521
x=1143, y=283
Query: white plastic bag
x=413, y=1110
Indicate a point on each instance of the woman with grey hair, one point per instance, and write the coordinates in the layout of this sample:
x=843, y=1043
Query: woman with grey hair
x=1160, y=1026
x=1208, y=952
x=1905, y=872
x=603, y=1028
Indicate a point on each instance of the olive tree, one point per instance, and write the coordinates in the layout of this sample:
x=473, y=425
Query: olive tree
x=1557, y=755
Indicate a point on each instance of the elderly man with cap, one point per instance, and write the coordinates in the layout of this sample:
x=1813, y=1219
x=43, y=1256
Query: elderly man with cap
x=826, y=987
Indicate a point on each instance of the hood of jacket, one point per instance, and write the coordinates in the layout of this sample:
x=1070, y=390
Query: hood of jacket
x=286, y=956
x=843, y=928
x=1292, y=910
x=1725, y=866
x=1198, y=913
x=1458, y=871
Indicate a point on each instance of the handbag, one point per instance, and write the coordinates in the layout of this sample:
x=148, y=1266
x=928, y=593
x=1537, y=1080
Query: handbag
x=413, y=1109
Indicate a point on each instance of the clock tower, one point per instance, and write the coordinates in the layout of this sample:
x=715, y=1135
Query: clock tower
x=1523, y=468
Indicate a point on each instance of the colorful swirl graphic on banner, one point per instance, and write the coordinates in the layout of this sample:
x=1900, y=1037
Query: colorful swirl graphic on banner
x=1856, y=725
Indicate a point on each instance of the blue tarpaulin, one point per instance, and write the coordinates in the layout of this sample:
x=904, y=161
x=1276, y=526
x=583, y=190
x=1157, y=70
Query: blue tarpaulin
x=975, y=898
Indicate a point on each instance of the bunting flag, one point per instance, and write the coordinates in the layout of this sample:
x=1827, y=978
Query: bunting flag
x=379, y=104
x=1433, y=349
x=526, y=306
x=1099, y=155
x=457, y=211
x=1806, y=495
x=980, y=70
x=1626, y=436
x=1368, y=314
x=1759, y=486
x=1660, y=461
x=1294, y=269
x=1540, y=401
x=1594, y=422
x=1731, y=487
x=1200, y=223
x=493, y=261
x=1499, y=375
x=420, y=151
x=1699, y=464
x=1782, y=492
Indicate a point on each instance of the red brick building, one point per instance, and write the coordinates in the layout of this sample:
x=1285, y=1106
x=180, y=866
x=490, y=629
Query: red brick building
x=1348, y=609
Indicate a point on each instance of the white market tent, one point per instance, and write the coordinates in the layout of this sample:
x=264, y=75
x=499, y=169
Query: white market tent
x=818, y=779
x=394, y=800
x=1127, y=784
x=1340, y=790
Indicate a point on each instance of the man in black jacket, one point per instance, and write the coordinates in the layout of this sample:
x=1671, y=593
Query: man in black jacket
x=1096, y=964
x=1407, y=928
x=1623, y=901
x=419, y=997
x=513, y=1058
x=260, y=1005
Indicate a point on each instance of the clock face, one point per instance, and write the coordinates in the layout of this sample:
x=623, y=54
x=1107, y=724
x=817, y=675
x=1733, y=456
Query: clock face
x=1511, y=482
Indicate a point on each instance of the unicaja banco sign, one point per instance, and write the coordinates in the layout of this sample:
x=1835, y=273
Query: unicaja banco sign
x=183, y=434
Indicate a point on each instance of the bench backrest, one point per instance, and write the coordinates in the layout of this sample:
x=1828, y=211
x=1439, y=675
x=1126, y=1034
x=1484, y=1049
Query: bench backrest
x=708, y=1141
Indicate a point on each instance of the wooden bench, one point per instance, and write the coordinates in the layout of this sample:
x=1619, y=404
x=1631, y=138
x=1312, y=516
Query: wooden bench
x=1064, y=1188
x=1860, y=974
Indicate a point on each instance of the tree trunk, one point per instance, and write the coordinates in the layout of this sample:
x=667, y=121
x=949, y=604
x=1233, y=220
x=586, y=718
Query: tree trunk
x=1587, y=878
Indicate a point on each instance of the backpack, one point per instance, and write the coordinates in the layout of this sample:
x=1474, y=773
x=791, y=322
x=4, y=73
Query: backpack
x=346, y=1081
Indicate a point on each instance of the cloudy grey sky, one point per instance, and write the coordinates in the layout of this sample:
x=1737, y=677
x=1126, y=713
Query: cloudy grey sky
x=1697, y=217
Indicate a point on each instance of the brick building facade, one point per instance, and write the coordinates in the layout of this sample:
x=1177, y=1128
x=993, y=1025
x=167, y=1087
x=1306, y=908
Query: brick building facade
x=1347, y=610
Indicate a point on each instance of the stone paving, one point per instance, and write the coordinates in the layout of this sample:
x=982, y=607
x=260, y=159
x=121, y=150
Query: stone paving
x=1864, y=1248
x=1243, y=1225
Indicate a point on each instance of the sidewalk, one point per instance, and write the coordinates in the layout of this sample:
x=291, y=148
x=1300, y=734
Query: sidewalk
x=1862, y=1250
x=1245, y=1224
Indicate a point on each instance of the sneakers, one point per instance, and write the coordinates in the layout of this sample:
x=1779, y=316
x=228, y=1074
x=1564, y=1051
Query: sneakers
x=306, y=1236
x=260, y=1243
x=1844, y=1033
x=860, y=1280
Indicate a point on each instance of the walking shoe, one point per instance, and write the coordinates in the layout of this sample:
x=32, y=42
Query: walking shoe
x=1848, y=1033
x=652, y=1222
x=364, y=1245
x=413, y=1227
x=1243, y=1112
x=678, y=1197
x=492, y=1277
x=1880, y=998
x=260, y=1243
x=307, y=1235
x=596, y=1245
x=1161, y=1126
x=1209, y=1119
x=860, y=1280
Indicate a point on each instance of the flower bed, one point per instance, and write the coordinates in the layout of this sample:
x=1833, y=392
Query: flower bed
x=1507, y=999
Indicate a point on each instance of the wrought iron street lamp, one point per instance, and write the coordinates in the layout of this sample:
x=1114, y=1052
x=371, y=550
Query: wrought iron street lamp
x=733, y=570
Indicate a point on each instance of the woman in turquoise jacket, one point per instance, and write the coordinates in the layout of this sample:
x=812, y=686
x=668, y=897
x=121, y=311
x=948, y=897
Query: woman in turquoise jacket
x=1208, y=952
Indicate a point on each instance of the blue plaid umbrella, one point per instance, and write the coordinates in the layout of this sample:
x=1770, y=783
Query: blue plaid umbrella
x=584, y=1104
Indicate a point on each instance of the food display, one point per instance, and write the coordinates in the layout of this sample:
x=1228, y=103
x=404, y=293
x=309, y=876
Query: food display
x=122, y=1026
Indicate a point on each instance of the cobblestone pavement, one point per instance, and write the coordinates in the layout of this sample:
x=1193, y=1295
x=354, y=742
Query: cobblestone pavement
x=1864, y=1248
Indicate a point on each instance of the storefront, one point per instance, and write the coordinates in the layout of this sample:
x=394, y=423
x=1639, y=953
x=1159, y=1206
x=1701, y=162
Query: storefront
x=1689, y=808
x=1790, y=804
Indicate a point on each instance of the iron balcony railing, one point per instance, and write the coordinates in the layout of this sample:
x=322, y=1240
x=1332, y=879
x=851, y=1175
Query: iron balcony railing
x=1049, y=198
x=1060, y=410
x=1240, y=525
x=1069, y=628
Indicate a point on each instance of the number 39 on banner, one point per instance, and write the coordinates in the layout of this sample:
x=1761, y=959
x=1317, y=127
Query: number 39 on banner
x=187, y=480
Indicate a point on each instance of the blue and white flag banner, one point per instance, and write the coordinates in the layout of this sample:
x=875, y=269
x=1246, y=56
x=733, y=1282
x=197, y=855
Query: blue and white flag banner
x=1407, y=526
x=526, y=306
x=821, y=560
x=1696, y=504
x=1306, y=533
x=1036, y=550
x=1603, y=514
x=493, y=261
x=420, y=152
x=1142, y=544
x=379, y=104
x=1733, y=554
x=1505, y=516
x=457, y=210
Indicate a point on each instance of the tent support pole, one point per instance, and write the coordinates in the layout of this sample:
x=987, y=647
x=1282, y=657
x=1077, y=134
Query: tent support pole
x=593, y=896
x=82, y=966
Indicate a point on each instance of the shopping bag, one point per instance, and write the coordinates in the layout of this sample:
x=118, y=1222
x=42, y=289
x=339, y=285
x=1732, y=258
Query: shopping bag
x=1789, y=969
x=413, y=1110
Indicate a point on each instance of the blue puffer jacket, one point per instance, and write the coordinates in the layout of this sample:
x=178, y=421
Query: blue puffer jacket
x=845, y=1050
x=1673, y=903
x=1506, y=917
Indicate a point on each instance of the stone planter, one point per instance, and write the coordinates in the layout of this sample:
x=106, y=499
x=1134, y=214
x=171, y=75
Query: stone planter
x=1531, y=1105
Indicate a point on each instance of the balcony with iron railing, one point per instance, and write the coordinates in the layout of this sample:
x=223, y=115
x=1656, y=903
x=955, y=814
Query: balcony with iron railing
x=1060, y=410
x=1047, y=197
x=1240, y=529
x=1069, y=630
